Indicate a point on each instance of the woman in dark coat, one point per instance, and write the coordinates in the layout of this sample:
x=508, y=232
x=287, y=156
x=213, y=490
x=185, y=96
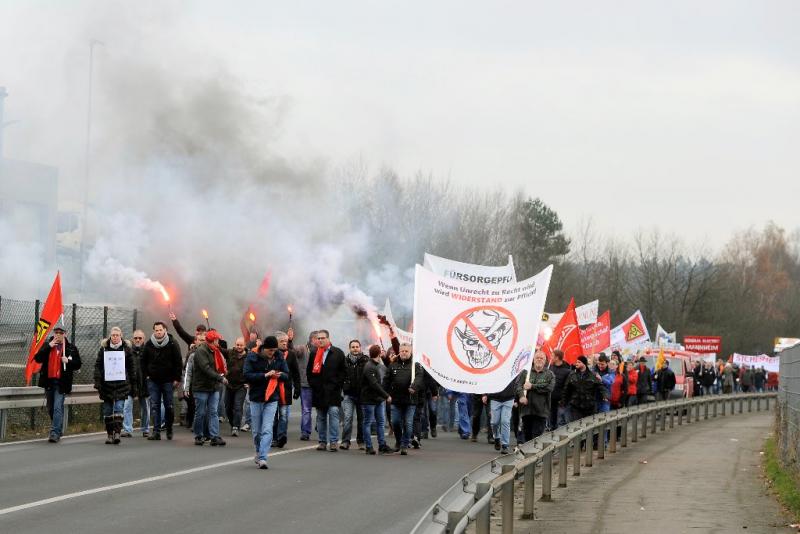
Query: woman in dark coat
x=114, y=383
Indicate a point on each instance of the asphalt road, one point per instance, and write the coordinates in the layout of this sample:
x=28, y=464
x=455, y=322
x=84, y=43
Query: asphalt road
x=90, y=487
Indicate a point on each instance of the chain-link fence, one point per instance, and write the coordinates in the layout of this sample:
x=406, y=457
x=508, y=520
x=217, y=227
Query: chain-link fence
x=85, y=327
x=788, y=418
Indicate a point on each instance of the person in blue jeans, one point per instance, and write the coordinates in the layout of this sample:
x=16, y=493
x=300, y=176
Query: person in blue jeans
x=266, y=376
x=372, y=397
x=208, y=373
x=59, y=359
x=403, y=390
x=162, y=365
x=326, y=374
x=302, y=354
x=500, y=406
x=462, y=415
x=114, y=385
x=138, y=392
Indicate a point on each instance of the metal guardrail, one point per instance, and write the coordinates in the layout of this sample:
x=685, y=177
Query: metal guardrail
x=33, y=397
x=470, y=499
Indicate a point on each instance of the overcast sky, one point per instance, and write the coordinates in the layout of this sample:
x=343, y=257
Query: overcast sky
x=681, y=115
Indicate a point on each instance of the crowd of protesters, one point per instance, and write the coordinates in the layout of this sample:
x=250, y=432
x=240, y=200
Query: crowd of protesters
x=252, y=386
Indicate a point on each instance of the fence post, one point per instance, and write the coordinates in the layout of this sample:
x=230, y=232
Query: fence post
x=705, y=410
x=680, y=415
x=714, y=407
x=724, y=403
x=672, y=417
x=654, y=420
x=483, y=517
x=749, y=404
x=741, y=405
x=758, y=404
x=2, y=425
x=135, y=317
x=696, y=412
x=508, y=502
x=74, y=320
x=689, y=414
x=576, y=457
x=547, y=477
x=530, y=488
x=767, y=399
x=105, y=321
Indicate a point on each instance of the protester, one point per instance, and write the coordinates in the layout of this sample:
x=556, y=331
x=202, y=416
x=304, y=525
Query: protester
x=759, y=379
x=616, y=384
x=480, y=409
x=422, y=421
x=138, y=391
x=697, y=376
x=208, y=373
x=748, y=379
x=403, y=390
x=326, y=373
x=302, y=354
x=59, y=359
x=163, y=365
x=235, y=391
x=351, y=405
x=183, y=334
x=728, y=380
x=666, y=381
x=559, y=412
x=581, y=391
x=633, y=382
x=644, y=382
x=372, y=397
x=500, y=407
x=534, y=391
x=709, y=378
x=280, y=430
x=267, y=376
x=114, y=389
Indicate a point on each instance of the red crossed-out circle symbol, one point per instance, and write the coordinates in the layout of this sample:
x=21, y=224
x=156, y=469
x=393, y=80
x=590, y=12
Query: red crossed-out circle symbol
x=464, y=317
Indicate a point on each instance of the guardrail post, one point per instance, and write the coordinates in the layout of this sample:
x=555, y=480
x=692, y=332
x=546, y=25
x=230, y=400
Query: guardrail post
x=589, y=448
x=705, y=410
x=689, y=413
x=454, y=516
x=696, y=412
x=749, y=404
x=576, y=457
x=601, y=442
x=671, y=417
x=741, y=405
x=483, y=517
x=65, y=422
x=714, y=404
x=562, y=464
x=530, y=488
x=663, y=419
x=635, y=434
x=724, y=404
x=767, y=399
x=644, y=424
x=547, y=477
x=105, y=321
x=624, y=432
x=612, y=439
x=680, y=415
x=2, y=425
x=758, y=404
x=653, y=421
x=508, y=502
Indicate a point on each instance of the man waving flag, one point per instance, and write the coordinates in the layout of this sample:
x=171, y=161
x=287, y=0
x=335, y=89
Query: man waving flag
x=53, y=308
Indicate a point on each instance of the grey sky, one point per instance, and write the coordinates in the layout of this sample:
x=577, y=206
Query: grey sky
x=681, y=115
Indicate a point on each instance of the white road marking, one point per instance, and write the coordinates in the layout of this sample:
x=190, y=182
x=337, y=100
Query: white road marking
x=37, y=440
x=102, y=489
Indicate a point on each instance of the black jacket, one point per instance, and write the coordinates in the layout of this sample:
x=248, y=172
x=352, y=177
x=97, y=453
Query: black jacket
x=139, y=390
x=506, y=394
x=398, y=380
x=235, y=362
x=372, y=391
x=582, y=391
x=163, y=364
x=204, y=369
x=666, y=380
x=116, y=389
x=326, y=386
x=355, y=368
x=43, y=357
x=561, y=373
x=293, y=384
x=255, y=366
x=644, y=384
x=709, y=377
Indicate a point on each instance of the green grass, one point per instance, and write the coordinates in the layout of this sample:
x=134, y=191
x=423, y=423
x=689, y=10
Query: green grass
x=785, y=484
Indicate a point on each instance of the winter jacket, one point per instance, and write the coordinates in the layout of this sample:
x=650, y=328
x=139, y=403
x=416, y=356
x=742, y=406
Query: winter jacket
x=431, y=388
x=204, y=372
x=581, y=391
x=235, y=361
x=116, y=389
x=43, y=357
x=355, y=368
x=542, y=384
x=666, y=380
x=139, y=390
x=372, y=391
x=163, y=364
x=644, y=383
x=633, y=381
x=709, y=377
x=301, y=354
x=760, y=378
x=507, y=394
x=561, y=372
x=398, y=381
x=255, y=367
x=293, y=384
x=727, y=380
x=326, y=386
x=748, y=378
x=619, y=390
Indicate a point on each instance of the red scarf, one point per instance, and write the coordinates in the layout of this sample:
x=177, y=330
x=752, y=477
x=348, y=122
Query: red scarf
x=271, y=385
x=317, y=369
x=219, y=361
x=54, y=362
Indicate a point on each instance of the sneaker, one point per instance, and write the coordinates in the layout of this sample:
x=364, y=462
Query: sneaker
x=433, y=432
x=490, y=439
x=262, y=464
x=370, y=450
x=169, y=433
x=282, y=441
x=126, y=434
x=234, y=432
x=403, y=451
x=333, y=447
x=415, y=442
x=145, y=434
x=52, y=438
x=198, y=441
x=110, y=439
x=466, y=436
x=504, y=450
x=217, y=442
x=155, y=436
x=474, y=439
x=163, y=426
x=304, y=438
x=206, y=438
x=384, y=449
x=345, y=446
x=255, y=458
x=322, y=447
x=245, y=427
x=497, y=444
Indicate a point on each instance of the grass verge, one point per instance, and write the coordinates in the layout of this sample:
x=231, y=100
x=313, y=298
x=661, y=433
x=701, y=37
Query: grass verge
x=785, y=484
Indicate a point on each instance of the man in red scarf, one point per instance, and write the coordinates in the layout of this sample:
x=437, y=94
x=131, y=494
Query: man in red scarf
x=326, y=372
x=208, y=372
x=59, y=359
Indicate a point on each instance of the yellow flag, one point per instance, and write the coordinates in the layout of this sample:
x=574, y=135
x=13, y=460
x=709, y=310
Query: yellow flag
x=660, y=360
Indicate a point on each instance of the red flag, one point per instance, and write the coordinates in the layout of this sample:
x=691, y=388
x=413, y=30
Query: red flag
x=597, y=336
x=566, y=336
x=53, y=308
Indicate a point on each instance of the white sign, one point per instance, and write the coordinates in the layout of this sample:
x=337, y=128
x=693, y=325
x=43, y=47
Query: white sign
x=770, y=363
x=664, y=338
x=631, y=335
x=114, y=365
x=468, y=272
x=587, y=314
x=476, y=338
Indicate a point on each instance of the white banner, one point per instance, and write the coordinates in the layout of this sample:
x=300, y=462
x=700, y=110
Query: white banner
x=468, y=272
x=475, y=338
x=587, y=314
x=114, y=365
x=770, y=363
x=664, y=338
x=631, y=335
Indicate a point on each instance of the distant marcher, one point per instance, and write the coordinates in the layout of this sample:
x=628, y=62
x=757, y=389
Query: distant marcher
x=208, y=373
x=559, y=412
x=59, y=359
x=582, y=390
x=728, y=379
x=404, y=392
x=163, y=366
x=748, y=379
x=302, y=354
x=114, y=389
x=644, y=382
x=372, y=398
x=138, y=391
x=666, y=381
x=281, y=428
x=759, y=379
x=235, y=391
x=500, y=407
x=326, y=374
x=533, y=393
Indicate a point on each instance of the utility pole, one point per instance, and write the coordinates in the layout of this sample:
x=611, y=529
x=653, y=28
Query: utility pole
x=3, y=95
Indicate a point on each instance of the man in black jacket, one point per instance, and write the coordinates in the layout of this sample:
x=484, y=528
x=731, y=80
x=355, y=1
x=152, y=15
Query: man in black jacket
x=666, y=381
x=500, y=406
x=59, y=359
x=644, y=383
x=559, y=413
x=354, y=363
x=582, y=390
x=326, y=374
x=162, y=366
x=280, y=429
x=138, y=391
x=398, y=383
x=372, y=399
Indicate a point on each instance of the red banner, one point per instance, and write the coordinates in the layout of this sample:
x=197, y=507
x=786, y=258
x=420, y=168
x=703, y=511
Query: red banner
x=566, y=336
x=53, y=308
x=597, y=336
x=703, y=344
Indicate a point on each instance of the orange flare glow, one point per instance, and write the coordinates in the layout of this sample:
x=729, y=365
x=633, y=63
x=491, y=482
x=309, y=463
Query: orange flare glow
x=164, y=293
x=252, y=316
x=205, y=314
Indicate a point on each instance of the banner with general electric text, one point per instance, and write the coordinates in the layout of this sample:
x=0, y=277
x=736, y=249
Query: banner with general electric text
x=703, y=344
x=468, y=272
x=770, y=363
x=476, y=338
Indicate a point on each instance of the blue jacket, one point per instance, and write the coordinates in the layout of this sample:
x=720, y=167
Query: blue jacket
x=255, y=366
